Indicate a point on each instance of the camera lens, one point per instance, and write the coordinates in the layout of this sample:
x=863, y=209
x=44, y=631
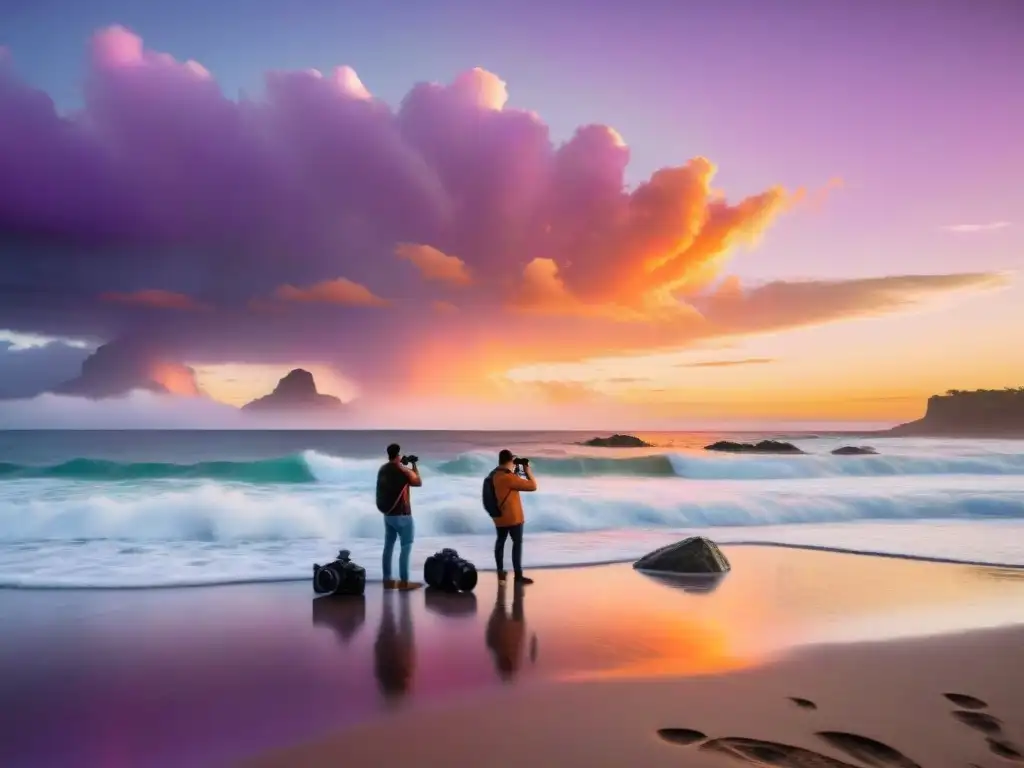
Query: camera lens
x=327, y=579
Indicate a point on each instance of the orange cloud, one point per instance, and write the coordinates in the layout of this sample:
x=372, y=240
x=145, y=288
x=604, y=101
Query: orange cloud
x=817, y=198
x=728, y=312
x=543, y=292
x=543, y=289
x=789, y=304
x=557, y=392
x=444, y=307
x=177, y=379
x=338, y=291
x=667, y=239
x=728, y=363
x=434, y=264
x=154, y=298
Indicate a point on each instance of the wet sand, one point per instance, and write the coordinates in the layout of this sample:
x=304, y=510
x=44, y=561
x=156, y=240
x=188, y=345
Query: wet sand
x=581, y=668
x=866, y=704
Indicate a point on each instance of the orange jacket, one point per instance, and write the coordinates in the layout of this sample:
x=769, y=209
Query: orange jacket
x=507, y=486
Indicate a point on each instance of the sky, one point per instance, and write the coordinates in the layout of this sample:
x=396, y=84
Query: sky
x=488, y=214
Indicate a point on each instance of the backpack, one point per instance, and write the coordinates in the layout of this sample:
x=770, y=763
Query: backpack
x=385, y=502
x=490, y=496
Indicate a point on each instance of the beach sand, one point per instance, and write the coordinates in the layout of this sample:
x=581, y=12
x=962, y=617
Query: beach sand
x=866, y=704
x=582, y=668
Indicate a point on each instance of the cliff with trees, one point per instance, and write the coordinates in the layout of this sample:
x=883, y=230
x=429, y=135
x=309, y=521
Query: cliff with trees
x=974, y=413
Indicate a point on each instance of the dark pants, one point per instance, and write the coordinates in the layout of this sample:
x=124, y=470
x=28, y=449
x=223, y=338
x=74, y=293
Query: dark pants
x=516, y=532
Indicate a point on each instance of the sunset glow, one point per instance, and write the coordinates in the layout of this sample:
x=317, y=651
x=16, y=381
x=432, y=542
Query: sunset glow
x=481, y=236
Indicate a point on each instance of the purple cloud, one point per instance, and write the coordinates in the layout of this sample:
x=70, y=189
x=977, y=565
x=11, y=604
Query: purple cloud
x=318, y=222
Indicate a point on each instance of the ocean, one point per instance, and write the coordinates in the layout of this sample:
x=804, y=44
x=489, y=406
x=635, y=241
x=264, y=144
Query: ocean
x=81, y=509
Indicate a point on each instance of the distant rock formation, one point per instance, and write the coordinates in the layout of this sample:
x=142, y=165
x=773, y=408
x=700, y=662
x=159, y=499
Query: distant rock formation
x=978, y=413
x=855, y=450
x=119, y=367
x=765, y=446
x=695, y=555
x=617, y=441
x=295, y=392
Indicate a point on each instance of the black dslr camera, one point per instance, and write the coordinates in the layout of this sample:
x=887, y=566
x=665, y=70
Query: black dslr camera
x=410, y=460
x=521, y=465
x=342, y=577
x=446, y=571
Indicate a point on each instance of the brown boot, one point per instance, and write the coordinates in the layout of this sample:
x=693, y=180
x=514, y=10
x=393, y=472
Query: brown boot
x=407, y=586
x=390, y=584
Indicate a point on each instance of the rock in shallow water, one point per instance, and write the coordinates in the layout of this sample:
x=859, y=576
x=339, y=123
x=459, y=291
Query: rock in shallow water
x=765, y=446
x=693, y=555
x=855, y=450
x=617, y=441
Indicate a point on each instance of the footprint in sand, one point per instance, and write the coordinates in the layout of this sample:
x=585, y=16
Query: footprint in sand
x=1005, y=750
x=980, y=721
x=682, y=736
x=769, y=753
x=803, y=703
x=868, y=751
x=988, y=724
x=966, y=702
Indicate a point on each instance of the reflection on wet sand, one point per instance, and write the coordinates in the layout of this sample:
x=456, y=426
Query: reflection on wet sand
x=62, y=653
x=450, y=604
x=342, y=614
x=505, y=634
x=1005, y=574
x=694, y=583
x=394, y=652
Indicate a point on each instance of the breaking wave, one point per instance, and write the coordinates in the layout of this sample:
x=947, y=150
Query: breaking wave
x=312, y=467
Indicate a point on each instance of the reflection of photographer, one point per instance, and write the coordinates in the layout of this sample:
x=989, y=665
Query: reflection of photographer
x=501, y=500
x=343, y=614
x=506, y=633
x=394, y=652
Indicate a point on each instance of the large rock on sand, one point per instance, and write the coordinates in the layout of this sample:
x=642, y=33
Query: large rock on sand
x=695, y=555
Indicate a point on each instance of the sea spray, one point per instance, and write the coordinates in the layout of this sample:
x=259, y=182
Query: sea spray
x=206, y=511
x=215, y=517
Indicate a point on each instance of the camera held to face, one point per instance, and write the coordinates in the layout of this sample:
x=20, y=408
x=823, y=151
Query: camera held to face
x=342, y=577
x=407, y=460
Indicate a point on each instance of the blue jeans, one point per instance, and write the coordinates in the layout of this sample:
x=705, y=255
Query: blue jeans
x=397, y=527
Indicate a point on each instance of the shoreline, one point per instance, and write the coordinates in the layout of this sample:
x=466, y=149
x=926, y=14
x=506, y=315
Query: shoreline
x=552, y=567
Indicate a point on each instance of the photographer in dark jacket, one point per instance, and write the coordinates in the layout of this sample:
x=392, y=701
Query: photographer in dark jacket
x=394, y=479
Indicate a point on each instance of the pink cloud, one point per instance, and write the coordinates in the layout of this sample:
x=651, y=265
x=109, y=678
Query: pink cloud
x=337, y=291
x=435, y=265
x=258, y=204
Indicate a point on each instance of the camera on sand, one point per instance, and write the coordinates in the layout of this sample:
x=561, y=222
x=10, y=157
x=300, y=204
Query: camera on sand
x=406, y=460
x=342, y=577
x=446, y=571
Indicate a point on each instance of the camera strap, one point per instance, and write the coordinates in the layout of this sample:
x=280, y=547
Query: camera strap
x=502, y=502
x=400, y=495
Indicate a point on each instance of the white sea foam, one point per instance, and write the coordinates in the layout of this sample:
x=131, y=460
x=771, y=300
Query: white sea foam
x=65, y=533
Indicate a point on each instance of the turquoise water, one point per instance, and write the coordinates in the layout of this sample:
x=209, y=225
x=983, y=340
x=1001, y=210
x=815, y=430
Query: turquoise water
x=140, y=508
